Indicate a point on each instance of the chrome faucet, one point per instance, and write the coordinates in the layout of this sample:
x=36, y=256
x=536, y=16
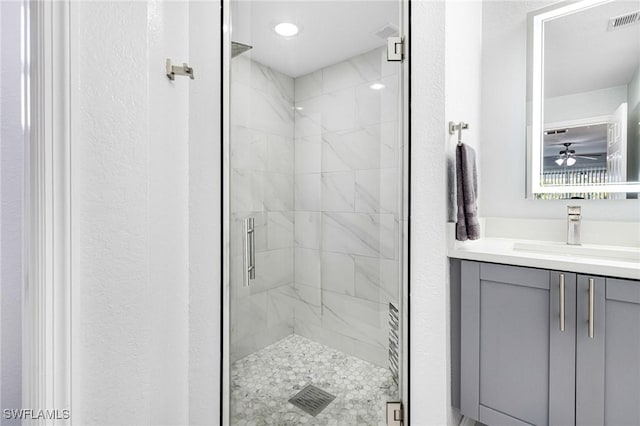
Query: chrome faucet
x=573, y=225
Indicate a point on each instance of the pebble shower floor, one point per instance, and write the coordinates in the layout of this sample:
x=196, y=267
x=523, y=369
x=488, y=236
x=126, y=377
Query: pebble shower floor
x=263, y=382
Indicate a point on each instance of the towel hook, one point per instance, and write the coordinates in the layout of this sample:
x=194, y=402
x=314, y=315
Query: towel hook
x=453, y=127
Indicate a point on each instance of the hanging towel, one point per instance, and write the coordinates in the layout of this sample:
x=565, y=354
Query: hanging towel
x=468, y=226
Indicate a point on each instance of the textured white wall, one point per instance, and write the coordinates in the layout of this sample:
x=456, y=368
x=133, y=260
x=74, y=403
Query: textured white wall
x=503, y=135
x=445, y=79
x=204, y=214
x=130, y=214
x=11, y=198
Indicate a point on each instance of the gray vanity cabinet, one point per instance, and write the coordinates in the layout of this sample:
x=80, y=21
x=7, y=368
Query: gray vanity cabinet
x=527, y=354
x=608, y=360
x=510, y=324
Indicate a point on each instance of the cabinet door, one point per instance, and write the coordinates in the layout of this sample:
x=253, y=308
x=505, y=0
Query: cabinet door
x=509, y=317
x=608, y=359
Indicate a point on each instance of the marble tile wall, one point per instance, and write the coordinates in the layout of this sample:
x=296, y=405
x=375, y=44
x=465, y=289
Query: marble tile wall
x=262, y=187
x=347, y=190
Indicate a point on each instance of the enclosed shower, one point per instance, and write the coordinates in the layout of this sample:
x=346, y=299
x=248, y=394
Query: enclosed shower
x=315, y=212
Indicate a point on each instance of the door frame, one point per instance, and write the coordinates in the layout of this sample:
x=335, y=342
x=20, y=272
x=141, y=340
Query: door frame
x=405, y=217
x=46, y=318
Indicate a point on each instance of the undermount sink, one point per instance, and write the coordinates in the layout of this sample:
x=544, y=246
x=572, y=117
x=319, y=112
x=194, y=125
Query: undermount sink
x=624, y=254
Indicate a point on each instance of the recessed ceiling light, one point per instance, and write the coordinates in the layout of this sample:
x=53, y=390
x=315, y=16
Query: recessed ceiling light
x=286, y=29
x=377, y=86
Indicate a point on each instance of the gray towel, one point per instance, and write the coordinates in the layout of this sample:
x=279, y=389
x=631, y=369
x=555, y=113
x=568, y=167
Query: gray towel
x=468, y=226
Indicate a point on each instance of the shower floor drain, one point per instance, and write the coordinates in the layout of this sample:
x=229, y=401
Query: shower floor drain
x=312, y=400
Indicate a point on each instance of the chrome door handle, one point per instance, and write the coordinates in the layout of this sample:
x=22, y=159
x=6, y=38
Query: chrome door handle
x=249, y=251
x=562, y=315
x=591, y=303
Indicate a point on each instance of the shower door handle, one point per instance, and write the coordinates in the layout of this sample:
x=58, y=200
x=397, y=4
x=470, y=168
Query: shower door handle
x=249, y=251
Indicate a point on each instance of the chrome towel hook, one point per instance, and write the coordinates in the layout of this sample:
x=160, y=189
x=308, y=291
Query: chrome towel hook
x=453, y=127
x=173, y=70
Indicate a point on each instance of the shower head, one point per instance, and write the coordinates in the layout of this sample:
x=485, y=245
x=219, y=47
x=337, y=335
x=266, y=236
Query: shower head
x=239, y=48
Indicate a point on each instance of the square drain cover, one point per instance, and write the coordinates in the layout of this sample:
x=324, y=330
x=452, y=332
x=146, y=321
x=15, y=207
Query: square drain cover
x=312, y=400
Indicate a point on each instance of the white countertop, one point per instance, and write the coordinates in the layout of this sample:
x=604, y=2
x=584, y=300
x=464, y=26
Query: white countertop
x=501, y=250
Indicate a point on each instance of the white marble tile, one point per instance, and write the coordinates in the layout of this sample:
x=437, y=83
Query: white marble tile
x=247, y=191
x=359, y=234
x=280, y=306
x=339, y=110
x=280, y=84
x=377, y=106
x=307, y=267
x=241, y=70
x=338, y=192
x=248, y=149
x=376, y=279
x=354, y=317
x=376, y=191
x=270, y=114
x=239, y=104
x=308, y=154
x=280, y=154
x=364, y=148
x=257, y=77
x=308, y=229
x=274, y=268
x=338, y=273
x=308, y=86
x=251, y=315
x=308, y=117
x=279, y=230
x=308, y=304
x=278, y=191
x=308, y=192
x=352, y=72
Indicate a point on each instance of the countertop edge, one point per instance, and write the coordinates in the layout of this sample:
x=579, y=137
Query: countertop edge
x=499, y=252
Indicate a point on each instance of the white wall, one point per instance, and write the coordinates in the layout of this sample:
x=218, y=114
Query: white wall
x=205, y=211
x=596, y=103
x=11, y=199
x=129, y=214
x=502, y=188
x=445, y=87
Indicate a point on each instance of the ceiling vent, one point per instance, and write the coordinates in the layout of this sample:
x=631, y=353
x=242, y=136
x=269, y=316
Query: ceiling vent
x=387, y=31
x=623, y=20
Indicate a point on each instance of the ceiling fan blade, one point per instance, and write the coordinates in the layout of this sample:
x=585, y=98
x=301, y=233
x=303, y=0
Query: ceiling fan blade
x=584, y=156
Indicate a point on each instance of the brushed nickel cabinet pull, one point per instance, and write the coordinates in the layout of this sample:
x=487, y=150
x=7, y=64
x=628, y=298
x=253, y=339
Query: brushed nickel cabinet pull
x=591, y=302
x=562, y=315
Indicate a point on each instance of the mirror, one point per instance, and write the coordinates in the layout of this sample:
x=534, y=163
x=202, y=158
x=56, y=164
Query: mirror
x=583, y=100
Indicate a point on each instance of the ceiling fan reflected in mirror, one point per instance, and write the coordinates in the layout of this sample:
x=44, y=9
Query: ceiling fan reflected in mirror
x=568, y=156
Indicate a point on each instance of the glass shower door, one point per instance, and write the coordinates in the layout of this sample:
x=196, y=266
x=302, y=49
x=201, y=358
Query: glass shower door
x=316, y=211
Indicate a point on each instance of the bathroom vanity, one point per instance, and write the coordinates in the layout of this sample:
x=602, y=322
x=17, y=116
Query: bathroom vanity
x=544, y=337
